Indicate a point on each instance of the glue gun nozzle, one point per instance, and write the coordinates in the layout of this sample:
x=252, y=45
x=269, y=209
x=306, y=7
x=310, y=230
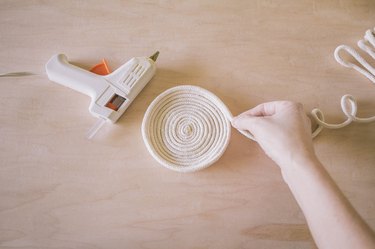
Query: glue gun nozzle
x=154, y=56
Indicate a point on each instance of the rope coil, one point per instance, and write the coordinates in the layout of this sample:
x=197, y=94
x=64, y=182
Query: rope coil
x=187, y=128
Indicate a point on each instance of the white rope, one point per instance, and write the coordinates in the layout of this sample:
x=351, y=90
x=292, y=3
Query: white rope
x=187, y=128
x=348, y=102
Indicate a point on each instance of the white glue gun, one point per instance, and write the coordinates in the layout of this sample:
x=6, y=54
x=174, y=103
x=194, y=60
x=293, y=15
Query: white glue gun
x=111, y=94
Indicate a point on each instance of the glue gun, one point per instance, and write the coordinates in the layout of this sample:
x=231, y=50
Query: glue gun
x=111, y=94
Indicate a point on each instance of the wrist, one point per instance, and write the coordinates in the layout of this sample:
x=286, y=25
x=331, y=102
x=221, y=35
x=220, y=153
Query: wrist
x=300, y=165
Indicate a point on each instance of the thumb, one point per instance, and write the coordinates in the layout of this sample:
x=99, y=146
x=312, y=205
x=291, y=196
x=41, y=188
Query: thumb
x=244, y=122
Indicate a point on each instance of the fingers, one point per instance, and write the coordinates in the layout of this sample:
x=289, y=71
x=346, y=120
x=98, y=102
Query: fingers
x=243, y=122
x=270, y=108
x=246, y=120
x=265, y=109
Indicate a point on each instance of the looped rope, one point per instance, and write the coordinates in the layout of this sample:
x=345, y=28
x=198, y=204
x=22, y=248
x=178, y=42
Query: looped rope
x=187, y=128
x=348, y=102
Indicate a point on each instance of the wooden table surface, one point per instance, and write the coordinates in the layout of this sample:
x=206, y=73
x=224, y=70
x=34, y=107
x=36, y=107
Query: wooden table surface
x=61, y=190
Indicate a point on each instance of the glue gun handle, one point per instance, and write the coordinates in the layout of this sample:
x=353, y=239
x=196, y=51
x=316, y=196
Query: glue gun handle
x=61, y=71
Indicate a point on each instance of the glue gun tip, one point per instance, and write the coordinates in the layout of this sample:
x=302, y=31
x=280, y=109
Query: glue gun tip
x=154, y=56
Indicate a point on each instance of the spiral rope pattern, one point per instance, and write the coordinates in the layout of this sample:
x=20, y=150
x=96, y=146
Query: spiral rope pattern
x=187, y=128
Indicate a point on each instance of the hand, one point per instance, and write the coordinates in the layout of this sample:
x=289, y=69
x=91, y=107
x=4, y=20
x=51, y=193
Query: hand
x=281, y=128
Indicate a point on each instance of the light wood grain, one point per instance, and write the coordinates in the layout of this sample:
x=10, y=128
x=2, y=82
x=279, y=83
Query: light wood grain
x=60, y=190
